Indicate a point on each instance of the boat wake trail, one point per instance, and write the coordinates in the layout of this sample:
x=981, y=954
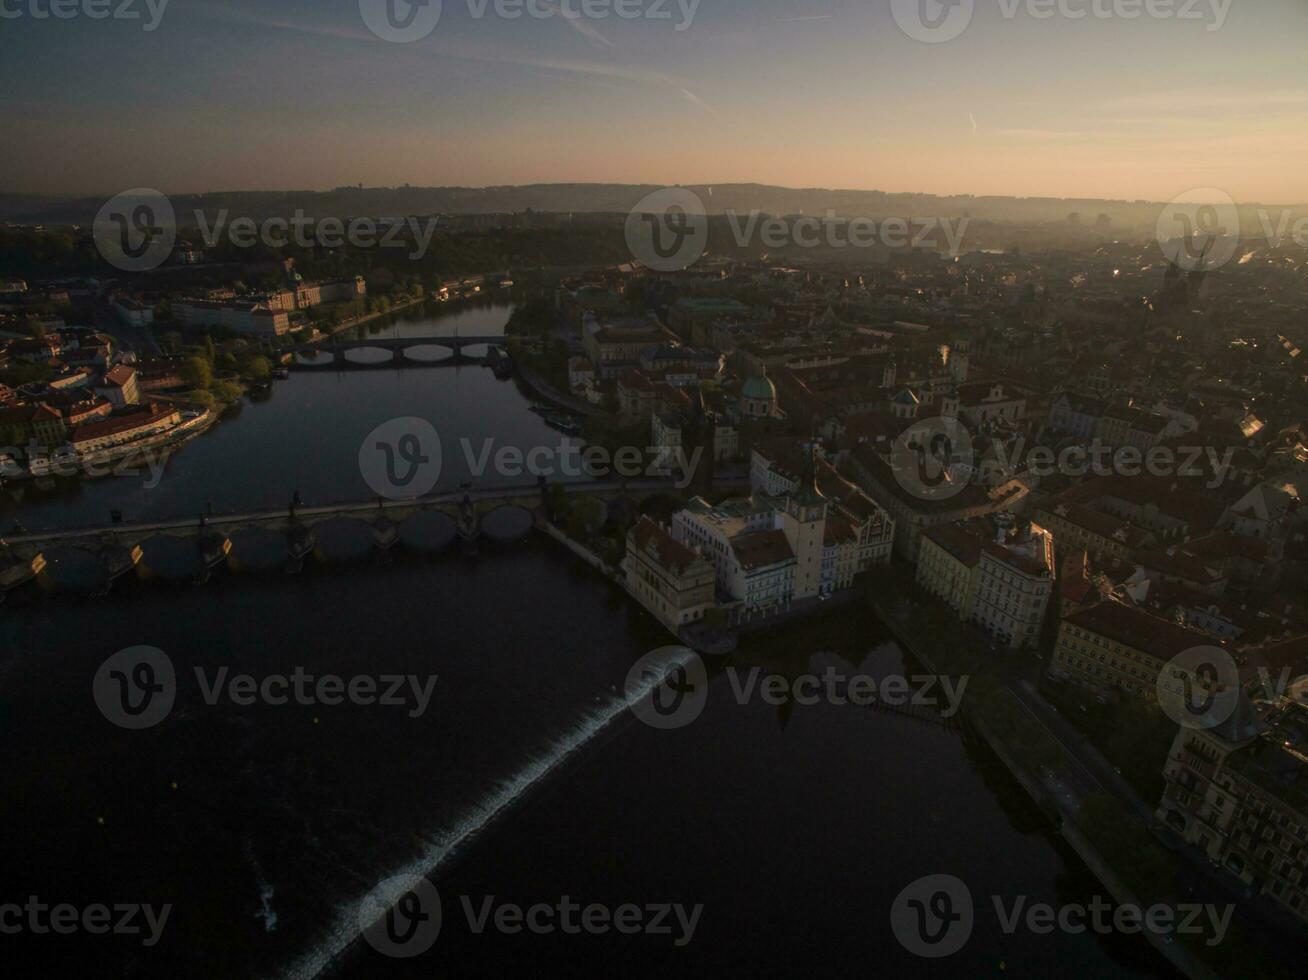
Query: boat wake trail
x=445, y=845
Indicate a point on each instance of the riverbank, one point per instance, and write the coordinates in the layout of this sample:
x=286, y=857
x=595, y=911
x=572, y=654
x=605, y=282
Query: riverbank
x=547, y=392
x=92, y=465
x=1110, y=837
x=359, y=321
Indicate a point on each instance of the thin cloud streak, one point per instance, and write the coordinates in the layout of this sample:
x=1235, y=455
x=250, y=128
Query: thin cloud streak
x=579, y=24
x=437, y=46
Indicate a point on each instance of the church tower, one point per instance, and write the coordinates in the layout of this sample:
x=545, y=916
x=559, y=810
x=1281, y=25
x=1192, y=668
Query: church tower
x=889, y=372
x=960, y=357
x=950, y=404
x=805, y=524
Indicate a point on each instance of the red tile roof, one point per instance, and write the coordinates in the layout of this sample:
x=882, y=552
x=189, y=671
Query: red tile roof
x=1138, y=630
x=670, y=552
x=123, y=423
x=119, y=375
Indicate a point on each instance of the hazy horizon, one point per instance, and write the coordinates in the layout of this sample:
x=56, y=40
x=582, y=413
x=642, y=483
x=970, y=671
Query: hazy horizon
x=220, y=191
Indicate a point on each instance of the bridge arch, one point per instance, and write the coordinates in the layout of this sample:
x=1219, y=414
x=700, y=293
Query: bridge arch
x=66, y=568
x=168, y=558
x=507, y=523
x=257, y=549
x=343, y=541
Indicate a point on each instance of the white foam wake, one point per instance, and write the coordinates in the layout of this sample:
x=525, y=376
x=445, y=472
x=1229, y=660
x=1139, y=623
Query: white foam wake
x=440, y=848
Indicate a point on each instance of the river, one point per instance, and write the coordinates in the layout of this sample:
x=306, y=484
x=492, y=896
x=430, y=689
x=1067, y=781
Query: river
x=262, y=826
x=305, y=434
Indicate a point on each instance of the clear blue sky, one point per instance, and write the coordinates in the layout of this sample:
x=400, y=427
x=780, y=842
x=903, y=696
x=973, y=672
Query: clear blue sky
x=301, y=94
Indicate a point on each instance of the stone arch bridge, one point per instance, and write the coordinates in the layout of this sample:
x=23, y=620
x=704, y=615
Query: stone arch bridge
x=189, y=549
x=398, y=347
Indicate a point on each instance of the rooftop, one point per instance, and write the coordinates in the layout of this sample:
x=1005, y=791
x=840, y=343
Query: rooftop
x=1138, y=630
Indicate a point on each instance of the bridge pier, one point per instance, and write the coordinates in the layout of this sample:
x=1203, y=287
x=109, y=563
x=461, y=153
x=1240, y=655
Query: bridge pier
x=213, y=550
x=385, y=536
x=300, y=544
x=468, y=526
x=116, y=560
x=20, y=573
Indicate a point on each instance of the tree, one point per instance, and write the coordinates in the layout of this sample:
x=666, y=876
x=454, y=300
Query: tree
x=613, y=547
x=197, y=372
x=585, y=519
x=225, y=391
x=256, y=368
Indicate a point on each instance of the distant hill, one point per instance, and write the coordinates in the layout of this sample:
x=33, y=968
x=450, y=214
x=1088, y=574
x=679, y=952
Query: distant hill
x=605, y=198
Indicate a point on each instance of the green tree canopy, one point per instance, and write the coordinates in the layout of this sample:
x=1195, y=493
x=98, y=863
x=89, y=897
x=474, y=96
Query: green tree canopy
x=197, y=372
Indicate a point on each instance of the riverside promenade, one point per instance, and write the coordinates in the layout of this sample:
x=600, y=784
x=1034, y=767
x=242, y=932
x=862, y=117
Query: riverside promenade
x=1059, y=789
x=549, y=393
